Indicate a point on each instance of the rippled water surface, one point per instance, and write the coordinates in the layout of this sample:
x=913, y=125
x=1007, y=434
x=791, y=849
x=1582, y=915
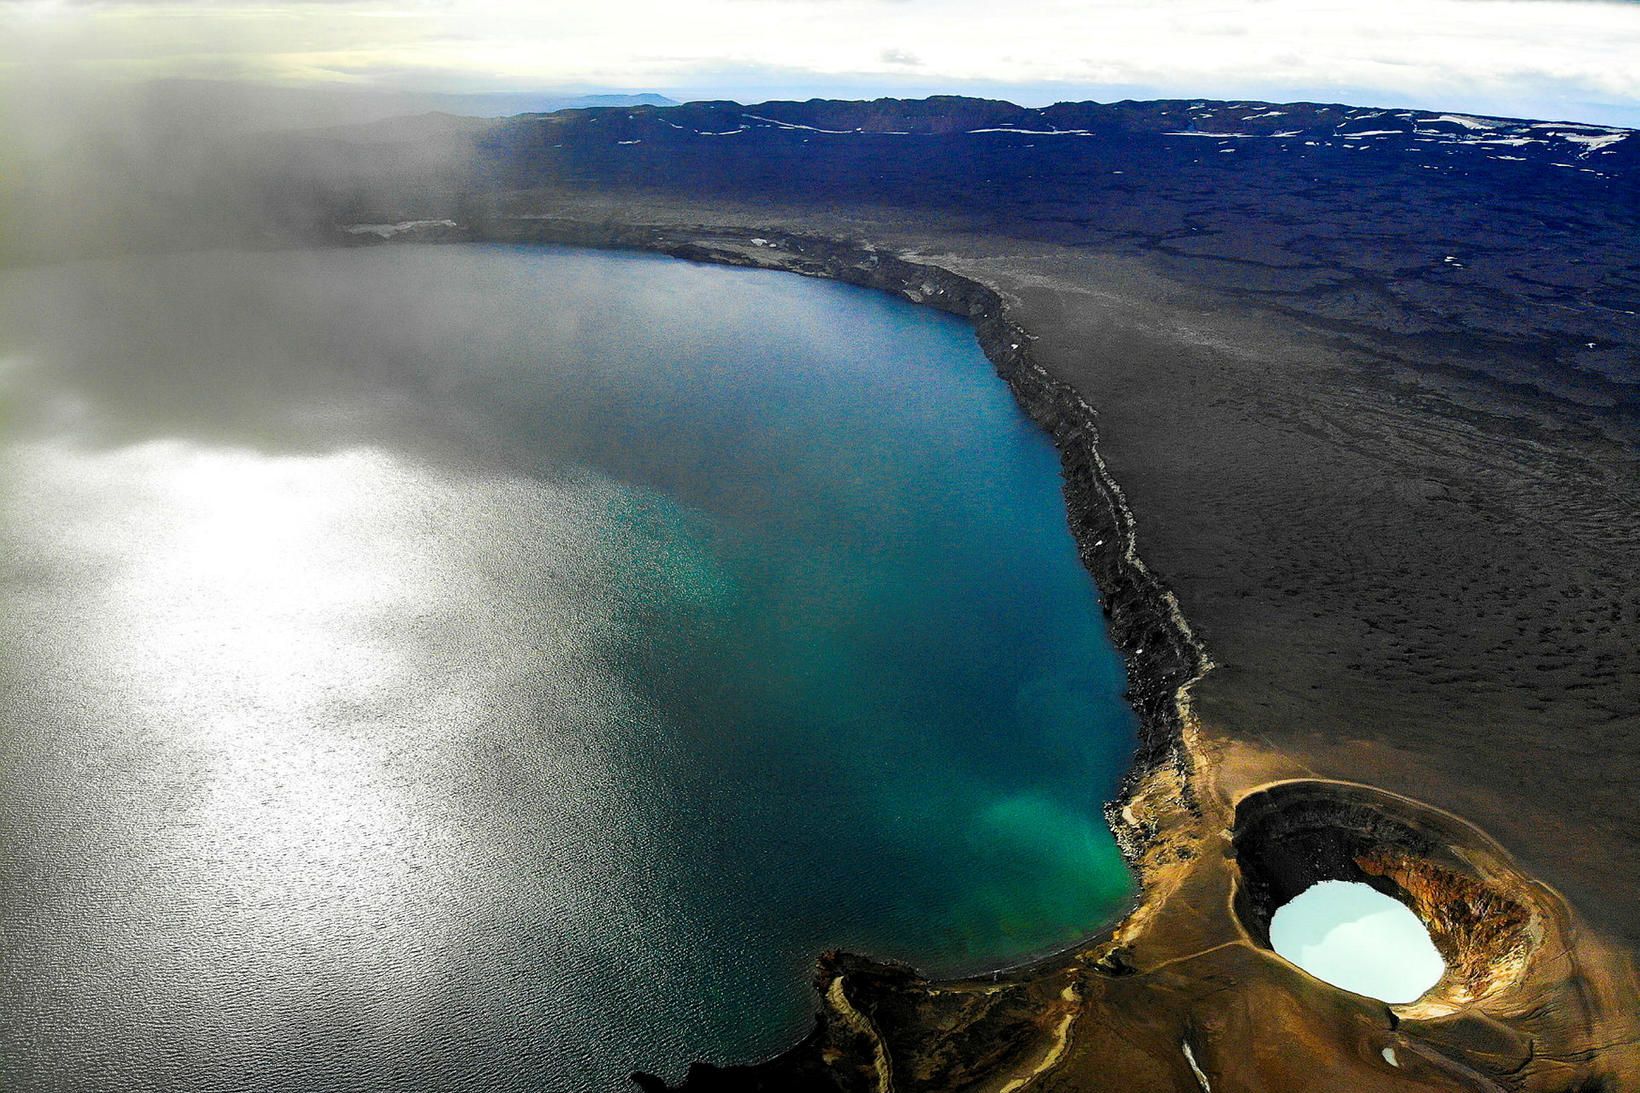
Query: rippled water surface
x=499, y=668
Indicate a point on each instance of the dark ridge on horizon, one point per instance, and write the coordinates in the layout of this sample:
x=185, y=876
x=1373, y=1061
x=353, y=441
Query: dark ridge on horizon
x=908, y=104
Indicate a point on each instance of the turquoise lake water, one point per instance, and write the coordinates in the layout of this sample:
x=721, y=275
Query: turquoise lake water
x=482, y=667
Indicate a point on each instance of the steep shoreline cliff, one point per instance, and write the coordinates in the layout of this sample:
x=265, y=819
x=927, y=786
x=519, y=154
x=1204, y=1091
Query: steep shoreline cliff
x=1164, y=656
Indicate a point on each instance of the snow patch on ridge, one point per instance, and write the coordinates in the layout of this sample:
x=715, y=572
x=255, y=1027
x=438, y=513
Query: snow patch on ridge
x=1037, y=132
x=387, y=231
x=778, y=124
x=1462, y=119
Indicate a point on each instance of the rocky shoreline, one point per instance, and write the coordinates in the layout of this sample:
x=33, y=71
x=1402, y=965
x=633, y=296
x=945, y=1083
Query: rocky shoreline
x=1163, y=655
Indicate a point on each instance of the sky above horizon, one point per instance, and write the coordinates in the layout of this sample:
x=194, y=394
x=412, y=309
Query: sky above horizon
x=1562, y=59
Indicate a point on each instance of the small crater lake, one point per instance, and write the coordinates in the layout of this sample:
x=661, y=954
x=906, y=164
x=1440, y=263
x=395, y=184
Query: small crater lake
x=1352, y=936
x=505, y=668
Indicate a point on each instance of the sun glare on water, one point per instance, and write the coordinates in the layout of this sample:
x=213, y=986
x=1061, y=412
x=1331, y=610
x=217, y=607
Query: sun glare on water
x=233, y=619
x=280, y=625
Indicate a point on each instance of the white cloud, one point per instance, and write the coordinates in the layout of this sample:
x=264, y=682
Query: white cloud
x=1459, y=53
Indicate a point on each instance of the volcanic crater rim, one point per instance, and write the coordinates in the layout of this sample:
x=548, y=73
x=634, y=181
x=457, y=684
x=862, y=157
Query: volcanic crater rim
x=1482, y=913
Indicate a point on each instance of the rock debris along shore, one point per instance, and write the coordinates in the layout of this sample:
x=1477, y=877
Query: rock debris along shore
x=1218, y=832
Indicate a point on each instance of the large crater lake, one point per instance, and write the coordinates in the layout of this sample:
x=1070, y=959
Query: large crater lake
x=498, y=668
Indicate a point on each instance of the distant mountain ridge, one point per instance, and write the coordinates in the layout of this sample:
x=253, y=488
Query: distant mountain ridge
x=1581, y=145
x=644, y=99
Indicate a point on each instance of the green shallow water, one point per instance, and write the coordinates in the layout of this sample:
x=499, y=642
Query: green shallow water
x=480, y=666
